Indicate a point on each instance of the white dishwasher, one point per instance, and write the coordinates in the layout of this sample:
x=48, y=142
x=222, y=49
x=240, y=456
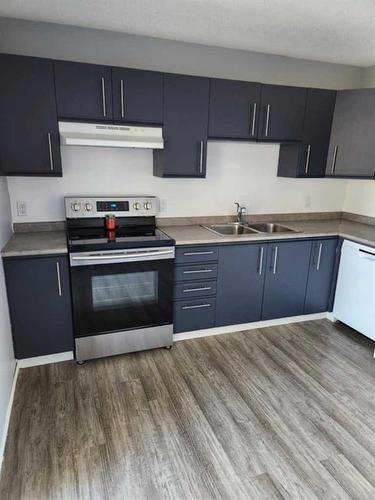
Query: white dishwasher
x=355, y=292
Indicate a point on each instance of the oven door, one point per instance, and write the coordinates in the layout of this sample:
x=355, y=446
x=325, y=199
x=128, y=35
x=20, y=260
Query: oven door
x=121, y=290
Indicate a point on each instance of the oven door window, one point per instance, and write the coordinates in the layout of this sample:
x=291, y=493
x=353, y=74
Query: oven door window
x=116, y=297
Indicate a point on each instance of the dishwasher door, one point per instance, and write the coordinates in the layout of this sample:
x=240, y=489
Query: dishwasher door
x=355, y=291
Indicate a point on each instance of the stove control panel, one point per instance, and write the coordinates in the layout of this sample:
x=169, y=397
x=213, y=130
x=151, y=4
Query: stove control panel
x=130, y=206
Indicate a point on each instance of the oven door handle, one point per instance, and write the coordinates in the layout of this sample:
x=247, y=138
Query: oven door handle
x=80, y=259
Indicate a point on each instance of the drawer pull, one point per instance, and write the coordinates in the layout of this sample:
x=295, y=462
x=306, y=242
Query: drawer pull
x=199, y=271
x=197, y=289
x=199, y=253
x=198, y=306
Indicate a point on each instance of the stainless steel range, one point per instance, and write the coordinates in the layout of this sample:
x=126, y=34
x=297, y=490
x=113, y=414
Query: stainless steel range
x=122, y=275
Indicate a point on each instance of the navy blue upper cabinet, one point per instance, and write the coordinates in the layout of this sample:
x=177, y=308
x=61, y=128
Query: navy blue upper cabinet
x=234, y=109
x=319, y=284
x=40, y=305
x=29, y=138
x=282, y=113
x=309, y=157
x=240, y=283
x=83, y=91
x=137, y=96
x=185, y=127
x=286, y=279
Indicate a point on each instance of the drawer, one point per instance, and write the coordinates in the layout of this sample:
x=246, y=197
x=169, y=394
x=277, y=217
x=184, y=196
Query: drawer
x=196, y=272
x=187, y=255
x=192, y=289
x=192, y=315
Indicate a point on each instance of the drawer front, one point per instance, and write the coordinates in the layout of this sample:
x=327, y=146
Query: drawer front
x=192, y=315
x=191, y=289
x=187, y=255
x=196, y=272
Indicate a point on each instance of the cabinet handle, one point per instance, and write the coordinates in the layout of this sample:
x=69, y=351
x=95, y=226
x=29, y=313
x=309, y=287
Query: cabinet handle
x=103, y=98
x=253, y=119
x=267, y=120
x=200, y=271
x=261, y=254
x=122, y=98
x=199, y=253
x=201, y=158
x=307, y=164
x=58, y=279
x=50, y=150
x=201, y=289
x=319, y=256
x=334, y=160
x=274, y=267
x=198, y=306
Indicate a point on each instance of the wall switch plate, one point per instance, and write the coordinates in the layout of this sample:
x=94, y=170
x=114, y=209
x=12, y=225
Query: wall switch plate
x=21, y=209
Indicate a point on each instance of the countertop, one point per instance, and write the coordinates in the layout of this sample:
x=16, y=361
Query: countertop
x=54, y=242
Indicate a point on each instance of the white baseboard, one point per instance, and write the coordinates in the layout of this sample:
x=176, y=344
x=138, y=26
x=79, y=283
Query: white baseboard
x=45, y=360
x=7, y=415
x=247, y=326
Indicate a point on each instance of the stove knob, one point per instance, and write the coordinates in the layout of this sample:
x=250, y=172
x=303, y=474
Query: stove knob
x=147, y=205
x=136, y=205
x=75, y=207
x=88, y=207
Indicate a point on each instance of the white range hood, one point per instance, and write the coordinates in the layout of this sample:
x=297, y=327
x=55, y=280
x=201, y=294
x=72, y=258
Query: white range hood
x=112, y=136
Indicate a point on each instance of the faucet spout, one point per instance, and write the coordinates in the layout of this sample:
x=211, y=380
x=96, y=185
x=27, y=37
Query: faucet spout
x=241, y=210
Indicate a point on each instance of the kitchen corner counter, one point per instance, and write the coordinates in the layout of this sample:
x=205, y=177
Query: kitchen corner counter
x=195, y=234
x=35, y=243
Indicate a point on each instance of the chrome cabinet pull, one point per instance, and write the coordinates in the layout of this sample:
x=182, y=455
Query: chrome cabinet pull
x=201, y=289
x=122, y=98
x=200, y=271
x=103, y=98
x=274, y=267
x=201, y=158
x=50, y=150
x=198, y=306
x=261, y=250
x=58, y=279
x=267, y=120
x=307, y=164
x=319, y=256
x=333, y=166
x=254, y=119
x=199, y=253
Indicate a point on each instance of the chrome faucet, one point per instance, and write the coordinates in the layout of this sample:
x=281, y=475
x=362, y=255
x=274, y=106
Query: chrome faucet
x=240, y=212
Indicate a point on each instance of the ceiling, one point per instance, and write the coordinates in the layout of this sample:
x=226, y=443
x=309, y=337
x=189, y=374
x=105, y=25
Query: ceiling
x=338, y=31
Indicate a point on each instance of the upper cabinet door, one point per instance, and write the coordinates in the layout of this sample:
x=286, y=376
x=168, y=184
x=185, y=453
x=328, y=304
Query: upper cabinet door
x=185, y=127
x=29, y=138
x=234, y=109
x=282, y=113
x=83, y=91
x=352, y=147
x=137, y=96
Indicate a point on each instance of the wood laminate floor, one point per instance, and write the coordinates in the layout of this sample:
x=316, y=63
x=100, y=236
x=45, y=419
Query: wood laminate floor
x=280, y=412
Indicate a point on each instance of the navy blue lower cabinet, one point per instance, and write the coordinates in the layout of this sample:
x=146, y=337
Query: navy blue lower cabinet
x=319, y=284
x=194, y=314
x=240, y=283
x=193, y=289
x=40, y=305
x=286, y=279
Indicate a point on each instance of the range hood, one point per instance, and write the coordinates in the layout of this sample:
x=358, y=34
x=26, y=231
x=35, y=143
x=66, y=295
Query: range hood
x=112, y=136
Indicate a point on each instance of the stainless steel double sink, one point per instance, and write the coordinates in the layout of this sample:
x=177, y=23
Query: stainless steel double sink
x=238, y=229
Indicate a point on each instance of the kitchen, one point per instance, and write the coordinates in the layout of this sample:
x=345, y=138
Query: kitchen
x=190, y=185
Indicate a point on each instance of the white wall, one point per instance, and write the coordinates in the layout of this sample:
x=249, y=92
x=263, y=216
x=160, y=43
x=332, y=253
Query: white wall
x=360, y=197
x=105, y=47
x=368, y=77
x=235, y=172
x=7, y=362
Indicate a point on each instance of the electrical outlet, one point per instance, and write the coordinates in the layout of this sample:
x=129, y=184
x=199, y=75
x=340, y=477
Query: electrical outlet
x=21, y=208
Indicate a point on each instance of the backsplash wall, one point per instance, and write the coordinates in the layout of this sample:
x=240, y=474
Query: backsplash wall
x=241, y=172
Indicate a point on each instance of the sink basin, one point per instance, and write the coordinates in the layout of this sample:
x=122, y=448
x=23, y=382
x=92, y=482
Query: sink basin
x=269, y=227
x=231, y=229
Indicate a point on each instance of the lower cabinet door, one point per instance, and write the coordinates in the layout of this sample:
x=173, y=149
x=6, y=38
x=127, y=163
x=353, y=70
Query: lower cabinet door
x=195, y=314
x=40, y=305
x=286, y=279
x=319, y=284
x=240, y=283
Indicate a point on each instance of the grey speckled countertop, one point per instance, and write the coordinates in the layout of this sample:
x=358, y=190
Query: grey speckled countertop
x=35, y=243
x=195, y=234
